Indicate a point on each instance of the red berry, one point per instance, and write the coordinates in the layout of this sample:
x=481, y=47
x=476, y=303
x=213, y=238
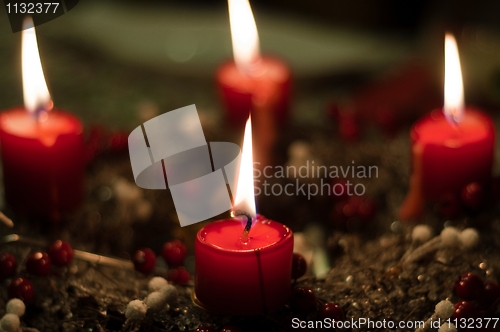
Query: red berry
x=362, y=208
x=205, y=328
x=491, y=295
x=388, y=121
x=495, y=189
x=92, y=147
x=8, y=266
x=349, y=128
x=367, y=209
x=61, y=253
x=303, y=300
x=230, y=328
x=22, y=289
x=144, y=260
x=473, y=196
x=174, y=253
x=340, y=190
x=331, y=311
x=333, y=111
x=343, y=211
x=38, y=263
x=469, y=287
x=179, y=276
x=299, y=266
x=464, y=309
x=118, y=141
x=449, y=206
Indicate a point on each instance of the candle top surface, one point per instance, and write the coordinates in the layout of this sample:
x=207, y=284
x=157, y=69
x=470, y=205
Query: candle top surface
x=226, y=234
x=51, y=125
x=435, y=129
x=268, y=69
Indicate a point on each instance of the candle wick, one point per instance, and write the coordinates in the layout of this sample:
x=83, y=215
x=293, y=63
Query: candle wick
x=41, y=110
x=246, y=230
x=254, y=69
x=248, y=226
x=38, y=112
x=454, y=117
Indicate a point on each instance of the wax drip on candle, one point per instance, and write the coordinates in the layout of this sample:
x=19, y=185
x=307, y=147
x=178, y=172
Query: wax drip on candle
x=248, y=226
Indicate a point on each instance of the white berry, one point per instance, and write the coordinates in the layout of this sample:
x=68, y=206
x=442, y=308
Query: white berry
x=10, y=323
x=156, y=300
x=450, y=237
x=421, y=233
x=444, y=309
x=143, y=209
x=16, y=307
x=136, y=309
x=170, y=292
x=126, y=191
x=156, y=283
x=447, y=327
x=299, y=150
x=469, y=238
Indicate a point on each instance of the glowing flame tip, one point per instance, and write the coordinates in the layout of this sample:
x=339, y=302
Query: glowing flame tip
x=453, y=84
x=245, y=197
x=244, y=35
x=35, y=91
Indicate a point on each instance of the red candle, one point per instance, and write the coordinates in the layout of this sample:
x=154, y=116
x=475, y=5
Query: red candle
x=243, y=266
x=451, y=147
x=239, y=80
x=467, y=148
x=42, y=162
x=237, y=89
x=232, y=277
x=42, y=150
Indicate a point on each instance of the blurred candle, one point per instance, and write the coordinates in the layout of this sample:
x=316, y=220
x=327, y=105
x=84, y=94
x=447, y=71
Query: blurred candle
x=241, y=268
x=41, y=149
x=238, y=80
x=451, y=147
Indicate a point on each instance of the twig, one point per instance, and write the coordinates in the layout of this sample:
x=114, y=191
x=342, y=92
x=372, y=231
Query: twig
x=6, y=220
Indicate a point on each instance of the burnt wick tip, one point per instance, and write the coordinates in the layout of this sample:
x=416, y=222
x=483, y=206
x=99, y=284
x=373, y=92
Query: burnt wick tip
x=248, y=226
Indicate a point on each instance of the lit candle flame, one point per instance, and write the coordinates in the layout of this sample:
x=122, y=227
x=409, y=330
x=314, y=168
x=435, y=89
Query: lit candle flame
x=244, y=200
x=453, y=84
x=243, y=35
x=36, y=94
